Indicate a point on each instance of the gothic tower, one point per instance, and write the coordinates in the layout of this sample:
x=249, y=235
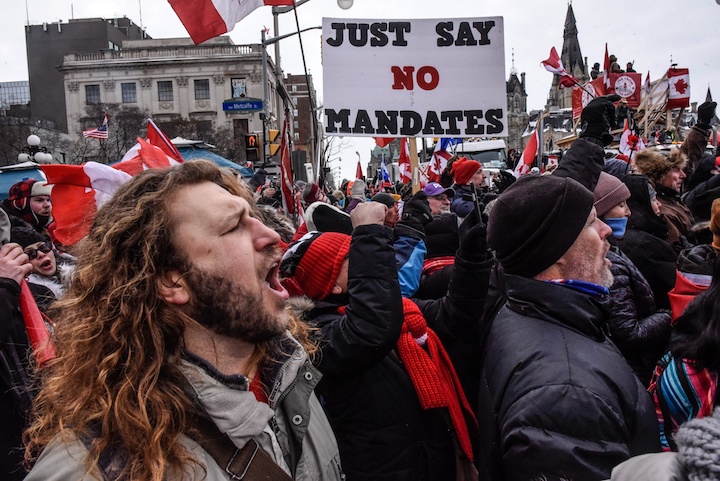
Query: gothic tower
x=573, y=62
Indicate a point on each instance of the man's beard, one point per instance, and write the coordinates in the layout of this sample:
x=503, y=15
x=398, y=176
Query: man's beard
x=229, y=309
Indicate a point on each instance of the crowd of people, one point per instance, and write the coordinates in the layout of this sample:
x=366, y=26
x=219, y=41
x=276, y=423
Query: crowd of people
x=559, y=326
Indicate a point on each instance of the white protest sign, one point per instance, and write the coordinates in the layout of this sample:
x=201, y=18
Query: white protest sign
x=414, y=78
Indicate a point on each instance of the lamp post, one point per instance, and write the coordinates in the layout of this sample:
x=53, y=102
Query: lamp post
x=33, y=151
x=266, y=88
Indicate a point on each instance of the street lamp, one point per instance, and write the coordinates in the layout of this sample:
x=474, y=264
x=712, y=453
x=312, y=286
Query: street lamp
x=33, y=151
x=345, y=4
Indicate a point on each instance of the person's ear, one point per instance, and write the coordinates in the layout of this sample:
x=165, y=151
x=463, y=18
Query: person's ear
x=173, y=288
x=336, y=289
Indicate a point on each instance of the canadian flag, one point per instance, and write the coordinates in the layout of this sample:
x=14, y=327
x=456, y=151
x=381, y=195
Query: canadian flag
x=80, y=190
x=404, y=162
x=528, y=156
x=438, y=163
x=206, y=19
x=554, y=64
x=629, y=142
x=679, y=88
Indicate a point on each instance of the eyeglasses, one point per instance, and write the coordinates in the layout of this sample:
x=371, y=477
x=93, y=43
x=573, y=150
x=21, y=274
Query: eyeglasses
x=32, y=252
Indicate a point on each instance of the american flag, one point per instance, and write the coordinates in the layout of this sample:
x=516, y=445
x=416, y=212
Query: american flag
x=100, y=132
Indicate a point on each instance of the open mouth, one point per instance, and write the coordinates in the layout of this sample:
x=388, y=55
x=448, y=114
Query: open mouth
x=273, y=282
x=47, y=265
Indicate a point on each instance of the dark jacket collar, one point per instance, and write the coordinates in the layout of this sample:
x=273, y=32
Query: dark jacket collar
x=667, y=192
x=557, y=304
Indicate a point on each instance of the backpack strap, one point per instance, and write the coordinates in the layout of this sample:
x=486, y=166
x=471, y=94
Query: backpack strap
x=251, y=463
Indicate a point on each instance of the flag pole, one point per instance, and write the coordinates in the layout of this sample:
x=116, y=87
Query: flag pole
x=575, y=81
x=414, y=167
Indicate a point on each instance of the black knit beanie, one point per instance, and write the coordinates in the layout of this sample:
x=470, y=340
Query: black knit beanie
x=535, y=221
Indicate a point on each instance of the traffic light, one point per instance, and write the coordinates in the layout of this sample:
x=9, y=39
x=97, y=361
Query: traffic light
x=252, y=147
x=273, y=141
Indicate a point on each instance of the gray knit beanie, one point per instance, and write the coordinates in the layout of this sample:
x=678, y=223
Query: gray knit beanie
x=698, y=442
x=609, y=192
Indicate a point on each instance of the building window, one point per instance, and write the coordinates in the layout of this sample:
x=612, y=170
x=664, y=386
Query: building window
x=293, y=88
x=296, y=136
x=165, y=90
x=239, y=88
x=202, y=89
x=92, y=94
x=295, y=124
x=295, y=112
x=129, y=93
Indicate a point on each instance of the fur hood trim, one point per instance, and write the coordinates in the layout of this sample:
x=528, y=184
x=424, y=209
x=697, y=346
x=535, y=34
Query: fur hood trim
x=299, y=306
x=655, y=165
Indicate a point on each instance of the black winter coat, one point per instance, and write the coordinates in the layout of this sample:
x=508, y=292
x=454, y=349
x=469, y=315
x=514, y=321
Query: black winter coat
x=557, y=399
x=382, y=431
x=15, y=392
x=644, y=241
x=639, y=330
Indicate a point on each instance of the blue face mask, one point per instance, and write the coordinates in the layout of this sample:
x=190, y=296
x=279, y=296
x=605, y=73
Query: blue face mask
x=618, y=225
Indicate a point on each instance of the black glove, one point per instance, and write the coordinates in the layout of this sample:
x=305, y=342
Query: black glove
x=598, y=117
x=473, y=243
x=416, y=212
x=706, y=112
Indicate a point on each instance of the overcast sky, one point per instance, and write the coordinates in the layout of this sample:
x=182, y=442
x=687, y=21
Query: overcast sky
x=653, y=33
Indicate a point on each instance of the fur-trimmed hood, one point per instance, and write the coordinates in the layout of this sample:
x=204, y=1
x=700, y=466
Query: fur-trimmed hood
x=655, y=165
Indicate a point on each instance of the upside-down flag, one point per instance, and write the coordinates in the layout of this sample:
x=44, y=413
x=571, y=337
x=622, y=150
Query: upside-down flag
x=99, y=132
x=528, y=155
x=206, y=19
x=554, y=64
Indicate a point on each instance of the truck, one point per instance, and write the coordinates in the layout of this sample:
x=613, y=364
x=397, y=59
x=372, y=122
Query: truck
x=490, y=153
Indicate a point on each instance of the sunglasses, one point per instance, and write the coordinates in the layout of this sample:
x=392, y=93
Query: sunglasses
x=32, y=252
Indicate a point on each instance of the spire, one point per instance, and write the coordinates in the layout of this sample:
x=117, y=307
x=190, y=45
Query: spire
x=571, y=55
x=708, y=96
x=513, y=70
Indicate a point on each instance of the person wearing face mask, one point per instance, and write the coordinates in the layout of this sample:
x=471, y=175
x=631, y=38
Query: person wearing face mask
x=638, y=329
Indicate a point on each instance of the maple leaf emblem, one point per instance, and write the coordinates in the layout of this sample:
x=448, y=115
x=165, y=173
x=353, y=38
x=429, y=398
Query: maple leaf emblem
x=681, y=86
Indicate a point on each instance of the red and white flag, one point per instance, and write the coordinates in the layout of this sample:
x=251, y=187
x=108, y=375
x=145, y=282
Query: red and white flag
x=404, y=166
x=630, y=142
x=554, y=64
x=606, y=67
x=80, y=190
x=528, y=155
x=383, y=141
x=646, y=86
x=206, y=19
x=438, y=162
x=359, y=171
x=679, y=88
x=286, y=174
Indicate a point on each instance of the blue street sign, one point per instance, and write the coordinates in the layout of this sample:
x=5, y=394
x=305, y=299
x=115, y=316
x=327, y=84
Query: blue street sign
x=243, y=104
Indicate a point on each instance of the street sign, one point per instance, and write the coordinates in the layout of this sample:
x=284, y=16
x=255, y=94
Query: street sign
x=243, y=105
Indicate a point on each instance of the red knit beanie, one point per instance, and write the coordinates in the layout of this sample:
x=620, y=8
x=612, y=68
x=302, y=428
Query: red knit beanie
x=463, y=169
x=318, y=264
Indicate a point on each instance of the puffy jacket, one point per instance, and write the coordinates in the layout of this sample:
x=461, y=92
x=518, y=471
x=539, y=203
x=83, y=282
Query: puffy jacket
x=639, y=330
x=383, y=432
x=15, y=393
x=645, y=241
x=292, y=428
x=557, y=399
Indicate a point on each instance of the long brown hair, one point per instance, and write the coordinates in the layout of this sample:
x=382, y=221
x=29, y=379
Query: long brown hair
x=117, y=338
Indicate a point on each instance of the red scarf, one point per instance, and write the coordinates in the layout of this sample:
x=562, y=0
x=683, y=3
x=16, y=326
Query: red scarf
x=432, y=372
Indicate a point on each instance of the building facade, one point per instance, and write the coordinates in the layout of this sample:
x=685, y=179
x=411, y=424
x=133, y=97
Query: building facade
x=303, y=104
x=217, y=83
x=46, y=46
